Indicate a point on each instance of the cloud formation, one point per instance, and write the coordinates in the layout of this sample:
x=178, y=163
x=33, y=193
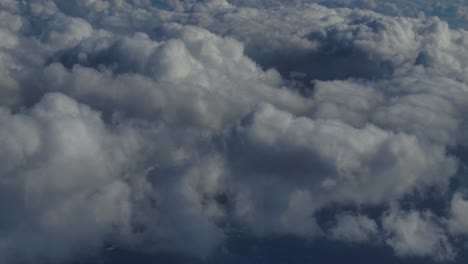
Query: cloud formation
x=455, y=12
x=162, y=126
x=417, y=233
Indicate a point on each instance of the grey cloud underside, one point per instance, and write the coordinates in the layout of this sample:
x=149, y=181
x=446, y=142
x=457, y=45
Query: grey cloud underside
x=161, y=126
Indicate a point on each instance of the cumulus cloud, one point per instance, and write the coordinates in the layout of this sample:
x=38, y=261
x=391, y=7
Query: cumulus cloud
x=453, y=11
x=164, y=74
x=157, y=126
x=417, y=233
x=458, y=215
x=335, y=161
x=62, y=180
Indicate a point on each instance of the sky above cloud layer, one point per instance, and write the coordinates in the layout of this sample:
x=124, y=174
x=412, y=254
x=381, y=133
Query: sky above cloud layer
x=205, y=131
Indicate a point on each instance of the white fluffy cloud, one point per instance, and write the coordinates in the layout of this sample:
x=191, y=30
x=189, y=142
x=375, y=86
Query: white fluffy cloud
x=458, y=215
x=417, y=233
x=63, y=187
x=221, y=82
x=154, y=126
x=334, y=161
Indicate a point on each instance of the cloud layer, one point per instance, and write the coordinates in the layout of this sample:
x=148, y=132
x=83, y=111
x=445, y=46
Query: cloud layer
x=162, y=126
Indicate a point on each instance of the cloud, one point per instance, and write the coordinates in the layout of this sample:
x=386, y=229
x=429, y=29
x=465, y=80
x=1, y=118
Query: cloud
x=352, y=228
x=453, y=11
x=164, y=74
x=417, y=233
x=457, y=221
x=72, y=183
x=339, y=162
x=159, y=126
x=62, y=180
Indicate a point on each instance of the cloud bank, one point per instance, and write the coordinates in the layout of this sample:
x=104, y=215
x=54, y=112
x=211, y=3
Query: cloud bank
x=160, y=126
